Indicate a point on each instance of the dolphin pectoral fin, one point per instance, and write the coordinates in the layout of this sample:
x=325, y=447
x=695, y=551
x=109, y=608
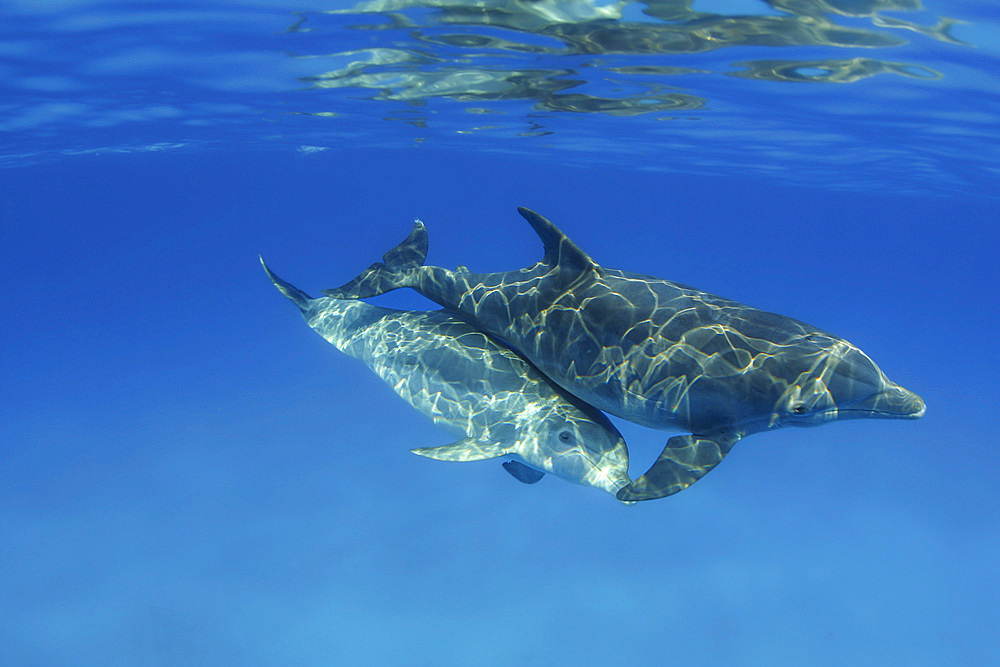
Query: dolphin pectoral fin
x=522, y=473
x=467, y=449
x=685, y=460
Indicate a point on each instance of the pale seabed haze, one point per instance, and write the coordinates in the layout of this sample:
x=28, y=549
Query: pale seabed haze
x=188, y=475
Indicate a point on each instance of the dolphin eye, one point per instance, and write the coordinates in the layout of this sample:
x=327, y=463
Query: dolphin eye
x=565, y=436
x=800, y=409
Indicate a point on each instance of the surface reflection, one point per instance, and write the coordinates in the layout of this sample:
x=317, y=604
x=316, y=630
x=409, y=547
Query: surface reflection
x=829, y=71
x=485, y=52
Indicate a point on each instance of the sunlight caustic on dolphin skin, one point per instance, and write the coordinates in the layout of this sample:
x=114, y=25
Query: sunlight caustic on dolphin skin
x=655, y=352
x=473, y=386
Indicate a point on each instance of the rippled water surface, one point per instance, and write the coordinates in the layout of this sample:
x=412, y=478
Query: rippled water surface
x=801, y=89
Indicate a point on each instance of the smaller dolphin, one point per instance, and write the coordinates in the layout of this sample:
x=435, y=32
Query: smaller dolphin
x=465, y=381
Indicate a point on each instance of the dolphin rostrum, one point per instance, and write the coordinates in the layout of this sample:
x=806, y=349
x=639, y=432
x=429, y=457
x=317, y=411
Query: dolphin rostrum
x=655, y=352
x=475, y=386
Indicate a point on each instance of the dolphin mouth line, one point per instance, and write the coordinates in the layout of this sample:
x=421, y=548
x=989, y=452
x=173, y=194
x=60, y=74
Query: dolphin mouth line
x=882, y=413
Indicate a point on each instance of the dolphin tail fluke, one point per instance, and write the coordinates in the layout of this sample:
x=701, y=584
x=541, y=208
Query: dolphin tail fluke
x=300, y=298
x=685, y=460
x=392, y=272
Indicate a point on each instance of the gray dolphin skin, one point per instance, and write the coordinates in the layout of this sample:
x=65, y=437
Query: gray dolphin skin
x=473, y=386
x=654, y=352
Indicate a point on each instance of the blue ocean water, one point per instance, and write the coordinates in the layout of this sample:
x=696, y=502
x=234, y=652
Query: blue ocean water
x=189, y=475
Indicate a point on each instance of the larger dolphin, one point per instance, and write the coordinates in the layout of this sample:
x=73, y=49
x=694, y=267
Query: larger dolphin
x=476, y=387
x=655, y=352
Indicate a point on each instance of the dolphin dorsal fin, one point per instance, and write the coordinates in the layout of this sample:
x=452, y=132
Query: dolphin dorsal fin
x=559, y=250
x=466, y=449
x=300, y=298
